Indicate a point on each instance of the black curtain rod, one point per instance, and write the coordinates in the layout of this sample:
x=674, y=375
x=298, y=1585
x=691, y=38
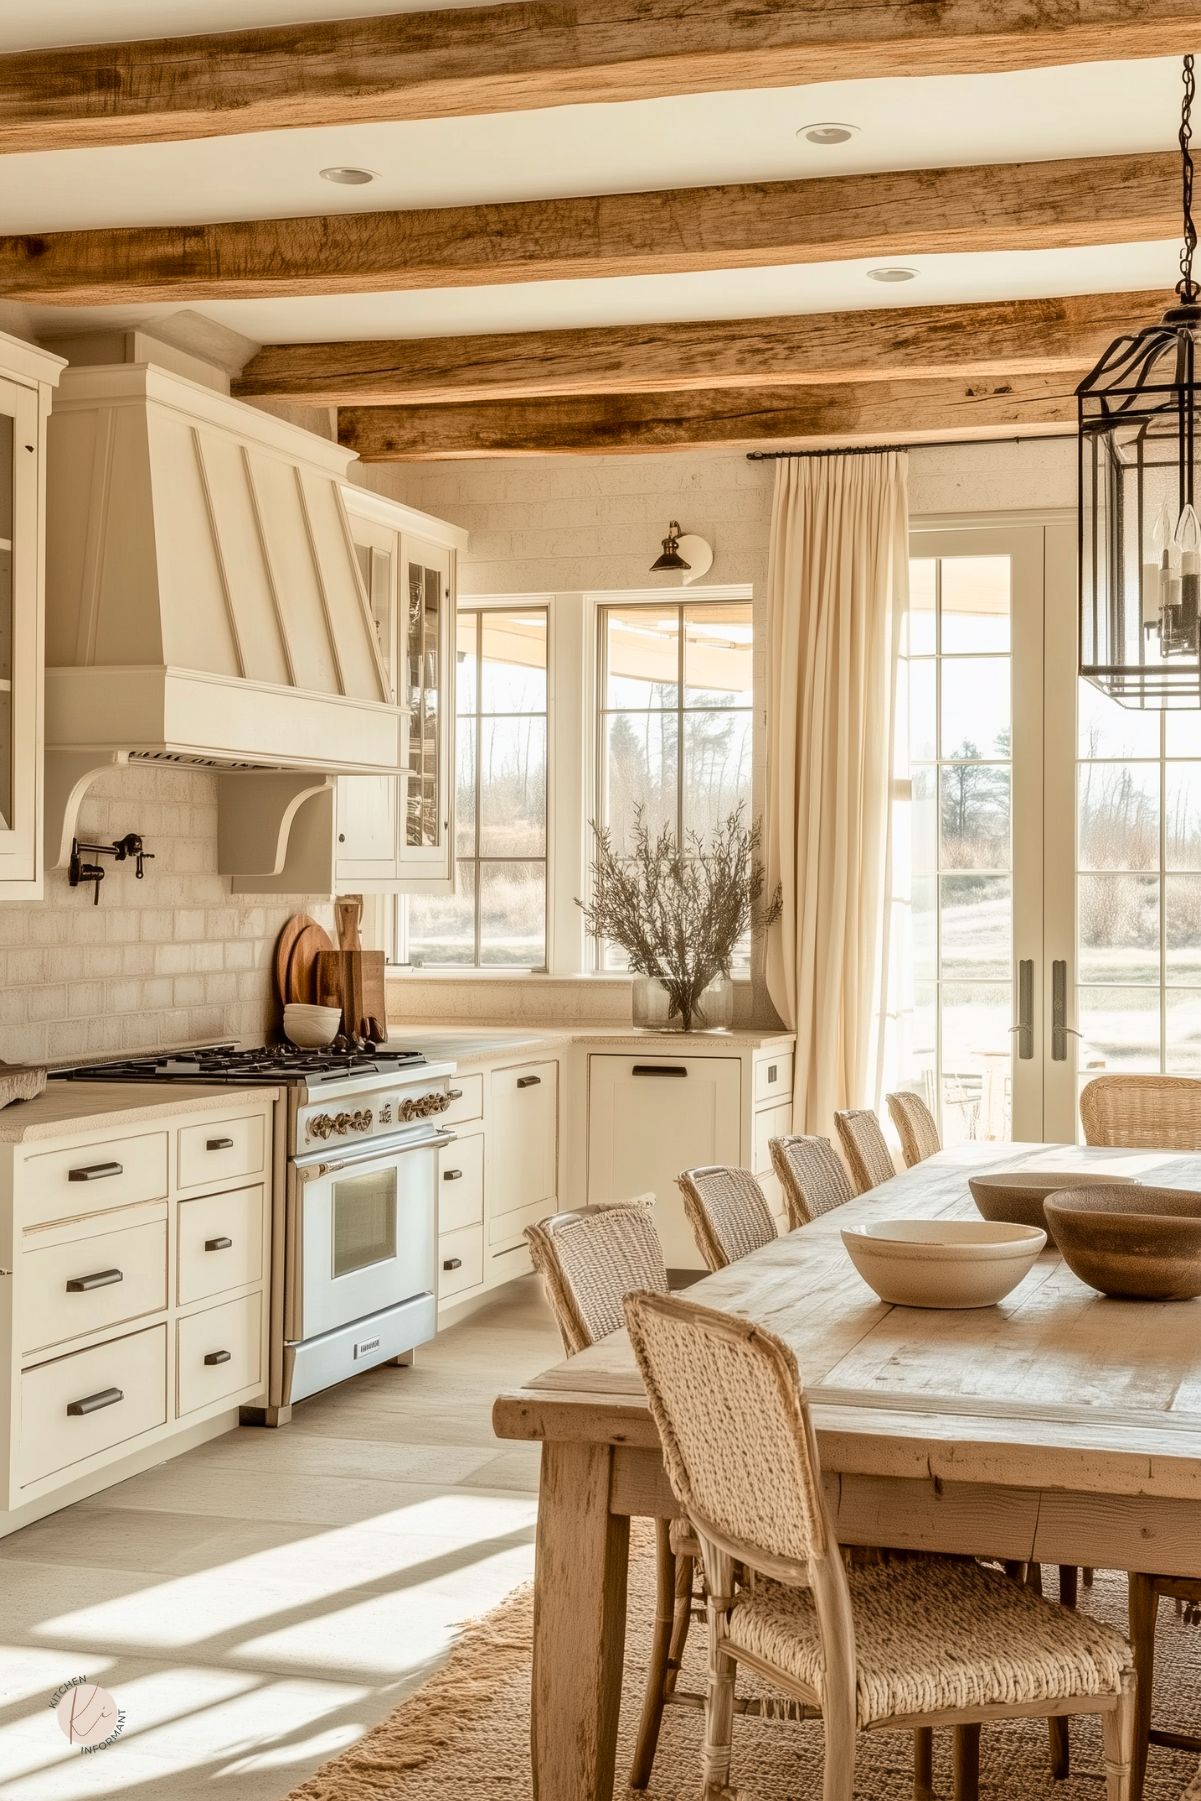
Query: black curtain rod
x=869, y=450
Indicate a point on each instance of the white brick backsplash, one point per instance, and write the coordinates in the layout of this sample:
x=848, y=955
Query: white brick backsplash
x=163, y=961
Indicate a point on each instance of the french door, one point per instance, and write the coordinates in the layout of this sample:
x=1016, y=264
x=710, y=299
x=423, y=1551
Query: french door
x=991, y=989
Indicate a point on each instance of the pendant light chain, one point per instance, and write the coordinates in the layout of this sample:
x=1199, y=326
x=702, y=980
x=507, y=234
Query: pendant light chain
x=1187, y=288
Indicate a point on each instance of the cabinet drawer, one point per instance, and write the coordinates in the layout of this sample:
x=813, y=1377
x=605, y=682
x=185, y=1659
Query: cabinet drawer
x=469, y=1101
x=219, y=1352
x=508, y=1228
x=773, y=1122
x=116, y=1391
x=220, y=1150
x=461, y=1183
x=523, y=1139
x=94, y=1177
x=464, y=1251
x=773, y=1077
x=103, y=1279
x=220, y=1243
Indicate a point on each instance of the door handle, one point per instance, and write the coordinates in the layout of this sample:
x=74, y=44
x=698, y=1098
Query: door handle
x=453, y=1263
x=1060, y=1029
x=452, y=1175
x=101, y=1278
x=218, y=1244
x=219, y=1144
x=93, y=1172
x=218, y=1357
x=529, y=1081
x=1024, y=1028
x=105, y=1397
x=659, y=1069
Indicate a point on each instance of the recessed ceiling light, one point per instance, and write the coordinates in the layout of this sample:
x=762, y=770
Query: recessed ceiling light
x=348, y=178
x=895, y=274
x=828, y=132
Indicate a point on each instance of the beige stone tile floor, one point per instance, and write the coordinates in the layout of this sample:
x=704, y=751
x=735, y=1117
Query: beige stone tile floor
x=258, y=1603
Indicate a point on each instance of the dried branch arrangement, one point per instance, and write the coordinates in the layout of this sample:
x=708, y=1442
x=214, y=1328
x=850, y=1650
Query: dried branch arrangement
x=678, y=913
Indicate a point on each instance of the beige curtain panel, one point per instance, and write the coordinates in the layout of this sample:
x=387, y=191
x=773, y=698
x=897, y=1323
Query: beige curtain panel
x=837, y=592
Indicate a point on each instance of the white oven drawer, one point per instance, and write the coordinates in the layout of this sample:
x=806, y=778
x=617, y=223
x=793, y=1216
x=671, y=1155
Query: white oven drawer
x=89, y=1283
x=91, y=1401
x=220, y=1243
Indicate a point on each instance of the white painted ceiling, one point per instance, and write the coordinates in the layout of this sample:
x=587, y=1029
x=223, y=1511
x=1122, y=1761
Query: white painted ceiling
x=1087, y=110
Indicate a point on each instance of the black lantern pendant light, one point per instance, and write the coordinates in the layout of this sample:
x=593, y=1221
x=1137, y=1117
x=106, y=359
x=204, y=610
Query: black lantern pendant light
x=1140, y=537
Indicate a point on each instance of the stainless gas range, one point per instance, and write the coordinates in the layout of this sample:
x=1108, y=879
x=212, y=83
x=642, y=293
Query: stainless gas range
x=354, y=1235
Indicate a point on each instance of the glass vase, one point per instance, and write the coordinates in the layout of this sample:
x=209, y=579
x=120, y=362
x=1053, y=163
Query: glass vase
x=651, y=1006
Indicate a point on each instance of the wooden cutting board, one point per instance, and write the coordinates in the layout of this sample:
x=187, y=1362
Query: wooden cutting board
x=301, y=981
x=285, y=944
x=354, y=981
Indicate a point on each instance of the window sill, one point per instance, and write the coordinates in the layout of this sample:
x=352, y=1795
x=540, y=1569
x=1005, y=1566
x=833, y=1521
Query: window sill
x=612, y=979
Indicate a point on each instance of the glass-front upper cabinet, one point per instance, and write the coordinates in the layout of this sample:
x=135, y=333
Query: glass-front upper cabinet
x=395, y=832
x=27, y=379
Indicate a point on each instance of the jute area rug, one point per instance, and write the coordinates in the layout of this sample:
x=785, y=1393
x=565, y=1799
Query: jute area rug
x=465, y=1735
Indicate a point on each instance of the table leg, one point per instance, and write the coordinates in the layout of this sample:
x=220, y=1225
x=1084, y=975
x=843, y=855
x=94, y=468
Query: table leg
x=579, y=1625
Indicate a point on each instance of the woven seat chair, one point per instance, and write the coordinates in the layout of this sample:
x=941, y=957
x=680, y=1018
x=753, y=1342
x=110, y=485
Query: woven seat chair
x=589, y=1260
x=1157, y=1113
x=1145, y=1594
x=916, y=1127
x=812, y=1176
x=728, y=1213
x=925, y=1641
x=865, y=1148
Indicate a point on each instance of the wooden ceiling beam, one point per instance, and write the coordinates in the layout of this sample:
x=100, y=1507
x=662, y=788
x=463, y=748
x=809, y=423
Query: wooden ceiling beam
x=732, y=418
x=540, y=53
x=892, y=215
x=1006, y=337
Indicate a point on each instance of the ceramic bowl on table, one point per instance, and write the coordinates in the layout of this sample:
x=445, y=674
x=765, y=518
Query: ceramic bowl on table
x=1017, y=1195
x=1139, y=1244
x=311, y=1028
x=943, y=1262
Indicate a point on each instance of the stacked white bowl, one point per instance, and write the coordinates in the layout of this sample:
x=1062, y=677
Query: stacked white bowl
x=311, y=1028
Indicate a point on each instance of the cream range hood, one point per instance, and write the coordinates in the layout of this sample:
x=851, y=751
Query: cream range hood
x=203, y=599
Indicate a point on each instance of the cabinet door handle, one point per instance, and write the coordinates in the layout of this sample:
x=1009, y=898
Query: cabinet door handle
x=773, y=1070
x=452, y=1175
x=453, y=1263
x=454, y=1094
x=104, y=1397
x=218, y=1357
x=528, y=1081
x=659, y=1069
x=101, y=1278
x=219, y=1144
x=94, y=1172
x=217, y=1244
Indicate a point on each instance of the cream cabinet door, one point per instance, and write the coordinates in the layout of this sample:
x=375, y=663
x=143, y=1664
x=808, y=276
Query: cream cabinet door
x=21, y=637
x=651, y=1117
x=521, y=1160
x=370, y=807
x=427, y=687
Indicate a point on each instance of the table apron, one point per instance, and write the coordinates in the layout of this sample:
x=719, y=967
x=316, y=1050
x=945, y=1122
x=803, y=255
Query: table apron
x=1153, y=1533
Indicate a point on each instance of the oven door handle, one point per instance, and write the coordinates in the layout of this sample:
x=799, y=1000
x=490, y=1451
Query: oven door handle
x=316, y=1166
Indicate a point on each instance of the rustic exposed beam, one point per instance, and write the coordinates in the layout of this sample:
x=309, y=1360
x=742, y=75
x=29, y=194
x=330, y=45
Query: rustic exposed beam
x=1005, y=337
x=866, y=412
x=541, y=53
x=1011, y=206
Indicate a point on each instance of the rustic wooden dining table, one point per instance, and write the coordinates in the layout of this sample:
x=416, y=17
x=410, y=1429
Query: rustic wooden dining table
x=1058, y=1427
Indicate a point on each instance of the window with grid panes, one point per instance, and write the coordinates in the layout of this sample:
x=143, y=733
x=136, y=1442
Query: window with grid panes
x=675, y=721
x=497, y=916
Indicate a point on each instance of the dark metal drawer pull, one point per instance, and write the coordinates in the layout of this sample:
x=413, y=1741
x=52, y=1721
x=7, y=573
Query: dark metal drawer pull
x=453, y=1263
x=106, y=1397
x=772, y=1072
x=219, y=1144
x=454, y=1094
x=101, y=1278
x=451, y=1175
x=94, y=1172
x=218, y=1357
x=659, y=1069
x=528, y=1081
x=217, y=1244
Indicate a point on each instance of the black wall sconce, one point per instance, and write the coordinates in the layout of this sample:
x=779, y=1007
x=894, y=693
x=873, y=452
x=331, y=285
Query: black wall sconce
x=121, y=849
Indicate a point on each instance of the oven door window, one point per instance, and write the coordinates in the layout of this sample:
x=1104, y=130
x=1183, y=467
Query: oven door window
x=364, y=1220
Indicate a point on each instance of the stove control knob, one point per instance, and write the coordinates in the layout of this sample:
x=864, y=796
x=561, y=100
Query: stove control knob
x=407, y=1110
x=321, y=1126
x=343, y=1124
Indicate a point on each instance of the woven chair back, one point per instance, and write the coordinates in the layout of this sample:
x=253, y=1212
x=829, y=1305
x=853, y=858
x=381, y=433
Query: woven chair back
x=728, y=1213
x=812, y=1176
x=1161, y=1113
x=590, y=1260
x=916, y=1127
x=726, y=1397
x=865, y=1148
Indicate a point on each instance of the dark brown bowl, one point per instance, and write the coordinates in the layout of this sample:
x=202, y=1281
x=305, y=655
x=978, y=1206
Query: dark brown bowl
x=1141, y=1244
x=1017, y=1195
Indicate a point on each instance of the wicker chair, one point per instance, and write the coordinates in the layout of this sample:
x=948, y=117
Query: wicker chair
x=728, y=1213
x=1158, y=1113
x=812, y=1176
x=589, y=1260
x=926, y=1641
x=916, y=1127
x=865, y=1148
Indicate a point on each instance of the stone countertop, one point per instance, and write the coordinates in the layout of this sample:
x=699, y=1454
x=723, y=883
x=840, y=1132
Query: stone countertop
x=471, y=1044
x=67, y=1107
